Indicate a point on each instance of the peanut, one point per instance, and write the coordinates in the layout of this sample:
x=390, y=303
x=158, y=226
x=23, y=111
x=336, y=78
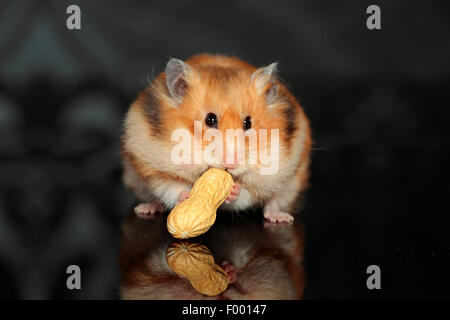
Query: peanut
x=197, y=214
x=195, y=262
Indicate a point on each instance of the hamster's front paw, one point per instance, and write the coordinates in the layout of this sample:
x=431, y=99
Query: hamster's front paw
x=147, y=210
x=183, y=196
x=235, y=189
x=230, y=269
x=278, y=217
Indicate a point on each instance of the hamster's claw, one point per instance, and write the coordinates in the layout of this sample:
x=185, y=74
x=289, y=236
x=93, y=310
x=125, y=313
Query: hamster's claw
x=235, y=190
x=278, y=217
x=147, y=210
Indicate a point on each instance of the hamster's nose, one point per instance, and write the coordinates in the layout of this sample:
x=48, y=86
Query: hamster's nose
x=233, y=154
x=230, y=166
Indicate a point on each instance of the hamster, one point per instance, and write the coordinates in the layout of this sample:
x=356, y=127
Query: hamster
x=220, y=93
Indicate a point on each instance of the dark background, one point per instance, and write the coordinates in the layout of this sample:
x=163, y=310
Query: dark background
x=377, y=101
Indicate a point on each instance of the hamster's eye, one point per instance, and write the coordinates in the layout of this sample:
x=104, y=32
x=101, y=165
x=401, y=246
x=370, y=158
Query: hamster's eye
x=211, y=120
x=247, y=123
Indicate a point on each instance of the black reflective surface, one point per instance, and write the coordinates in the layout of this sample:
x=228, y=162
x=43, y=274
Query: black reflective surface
x=267, y=259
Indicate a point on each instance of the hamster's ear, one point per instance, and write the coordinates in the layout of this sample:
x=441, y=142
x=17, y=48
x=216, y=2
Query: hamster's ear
x=265, y=81
x=177, y=73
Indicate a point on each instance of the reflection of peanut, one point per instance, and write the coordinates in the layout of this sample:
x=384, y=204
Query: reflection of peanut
x=197, y=214
x=195, y=262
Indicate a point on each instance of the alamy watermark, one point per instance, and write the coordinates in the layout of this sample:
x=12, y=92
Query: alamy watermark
x=234, y=152
x=74, y=279
x=373, y=22
x=73, y=21
x=374, y=280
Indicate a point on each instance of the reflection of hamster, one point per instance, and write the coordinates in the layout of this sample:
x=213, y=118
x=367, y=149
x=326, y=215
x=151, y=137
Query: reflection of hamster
x=267, y=261
x=222, y=93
